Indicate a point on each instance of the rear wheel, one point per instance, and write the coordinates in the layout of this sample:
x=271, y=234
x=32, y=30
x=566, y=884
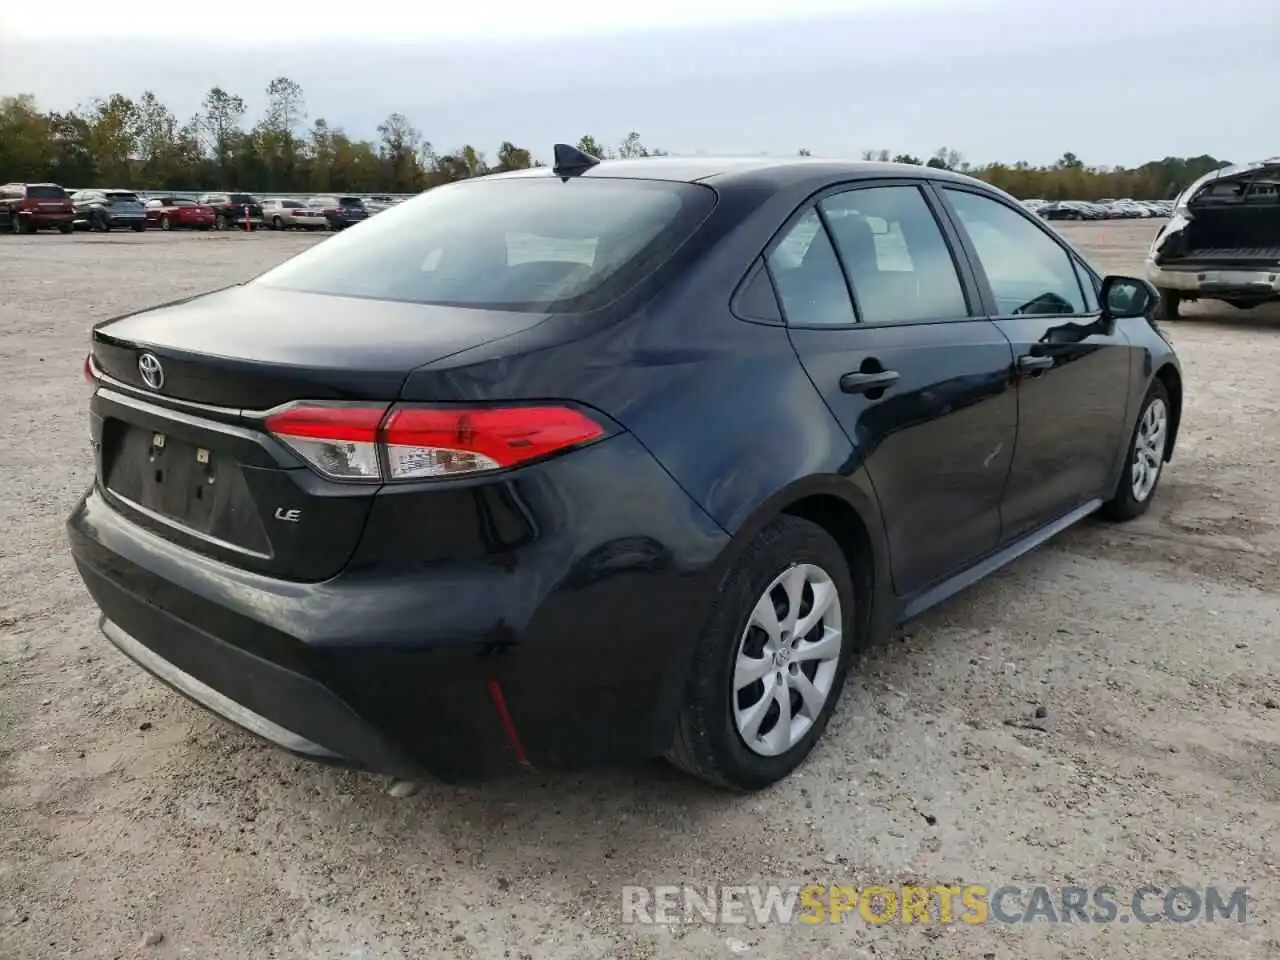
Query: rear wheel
x=19, y=225
x=769, y=665
x=165, y=222
x=1170, y=301
x=139, y=227
x=277, y=223
x=65, y=228
x=219, y=222
x=1144, y=462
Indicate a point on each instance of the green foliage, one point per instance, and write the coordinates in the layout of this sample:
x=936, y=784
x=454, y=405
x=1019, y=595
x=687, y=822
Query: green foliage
x=120, y=142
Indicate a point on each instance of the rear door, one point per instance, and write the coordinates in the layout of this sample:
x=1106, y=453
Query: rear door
x=887, y=327
x=1072, y=369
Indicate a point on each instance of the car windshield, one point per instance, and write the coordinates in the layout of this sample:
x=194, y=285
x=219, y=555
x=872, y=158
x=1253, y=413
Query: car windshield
x=46, y=193
x=122, y=195
x=351, y=202
x=241, y=198
x=519, y=244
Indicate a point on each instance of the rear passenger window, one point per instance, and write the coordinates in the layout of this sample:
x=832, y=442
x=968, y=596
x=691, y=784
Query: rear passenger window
x=1028, y=270
x=808, y=278
x=898, y=261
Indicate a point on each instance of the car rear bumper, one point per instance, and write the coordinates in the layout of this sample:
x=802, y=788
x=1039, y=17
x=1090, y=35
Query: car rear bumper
x=1210, y=281
x=566, y=652
x=48, y=219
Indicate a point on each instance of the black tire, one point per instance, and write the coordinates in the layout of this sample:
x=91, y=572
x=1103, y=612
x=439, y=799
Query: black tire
x=1124, y=503
x=65, y=227
x=277, y=223
x=165, y=222
x=707, y=743
x=1170, y=301
x=20, y=226
x=220, y=222
x=139, y=227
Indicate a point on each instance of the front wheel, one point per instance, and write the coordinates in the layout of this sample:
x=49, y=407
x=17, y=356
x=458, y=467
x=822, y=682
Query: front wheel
x=1144, y=461
x=139, y=227
x=65, y=228
x=220, y=222
x=769, y=665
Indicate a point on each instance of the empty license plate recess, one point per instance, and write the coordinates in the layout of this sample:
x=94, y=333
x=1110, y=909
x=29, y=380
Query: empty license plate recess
x=194, y=486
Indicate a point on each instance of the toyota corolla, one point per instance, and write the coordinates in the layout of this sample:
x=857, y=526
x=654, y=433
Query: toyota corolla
x=605, y=461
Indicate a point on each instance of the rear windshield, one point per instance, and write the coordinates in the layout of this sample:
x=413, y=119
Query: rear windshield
x=122, y=195
x=520, y=244
x=241, y=198
x=46, y=193
x=291, y=204
x=351, y=201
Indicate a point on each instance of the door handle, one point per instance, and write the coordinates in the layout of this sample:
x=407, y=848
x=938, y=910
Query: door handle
x=858, y=382
x=1028, y=363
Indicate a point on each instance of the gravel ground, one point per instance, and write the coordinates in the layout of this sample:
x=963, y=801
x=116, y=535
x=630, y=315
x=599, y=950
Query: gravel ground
x=133, y=824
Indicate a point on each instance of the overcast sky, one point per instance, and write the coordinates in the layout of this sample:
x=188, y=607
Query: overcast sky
x=1115, y=82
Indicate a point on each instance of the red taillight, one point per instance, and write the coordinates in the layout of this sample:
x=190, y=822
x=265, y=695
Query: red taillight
x=90, y=376
x=339, y=440
x=439, y=442
x=353, y=442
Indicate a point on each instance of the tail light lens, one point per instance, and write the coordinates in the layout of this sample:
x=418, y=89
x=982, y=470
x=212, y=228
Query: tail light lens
x=90, y=377
x=439, y=442
x=339, y=441
x=372, y=443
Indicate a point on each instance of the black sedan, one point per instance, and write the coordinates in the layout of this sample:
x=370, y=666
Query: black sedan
x=606, y=461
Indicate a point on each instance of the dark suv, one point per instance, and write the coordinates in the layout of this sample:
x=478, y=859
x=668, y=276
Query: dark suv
x=231, y=210
x=341, y=212
x=26, y=207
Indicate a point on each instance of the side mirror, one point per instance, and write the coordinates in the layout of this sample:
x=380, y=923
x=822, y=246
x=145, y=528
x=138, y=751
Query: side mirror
x=1124, y=297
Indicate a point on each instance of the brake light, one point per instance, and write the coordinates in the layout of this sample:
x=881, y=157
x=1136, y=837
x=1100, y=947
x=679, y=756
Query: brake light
x=339, y=440
x=370, y=443
x=90, y=376
x=439, y=442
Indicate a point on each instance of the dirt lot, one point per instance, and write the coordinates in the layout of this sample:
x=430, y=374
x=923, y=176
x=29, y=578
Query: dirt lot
x=127, y=814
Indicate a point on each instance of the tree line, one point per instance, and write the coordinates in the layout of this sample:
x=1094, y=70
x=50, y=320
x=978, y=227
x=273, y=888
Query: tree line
x=140, y=144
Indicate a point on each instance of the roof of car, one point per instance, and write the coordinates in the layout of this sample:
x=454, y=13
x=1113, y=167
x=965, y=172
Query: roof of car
x=722, y=170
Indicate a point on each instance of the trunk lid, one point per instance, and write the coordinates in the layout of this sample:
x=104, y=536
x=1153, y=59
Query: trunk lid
x=190, y=459
x=252, y=347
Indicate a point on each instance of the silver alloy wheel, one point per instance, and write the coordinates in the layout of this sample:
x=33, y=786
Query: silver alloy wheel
x=1148, y=449
x=786, y=660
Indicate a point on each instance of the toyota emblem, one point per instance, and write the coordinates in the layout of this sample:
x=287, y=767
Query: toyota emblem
x=152, y=372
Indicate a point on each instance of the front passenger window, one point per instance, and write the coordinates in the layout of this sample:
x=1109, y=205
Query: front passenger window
x=1028, y=271
x=808, y=277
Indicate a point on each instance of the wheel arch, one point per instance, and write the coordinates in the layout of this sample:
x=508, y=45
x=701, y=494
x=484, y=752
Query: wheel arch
x=1171, y=378
x=849, y=512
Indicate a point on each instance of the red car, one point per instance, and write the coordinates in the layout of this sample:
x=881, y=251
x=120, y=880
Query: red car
x=179, y=213
x=27, y=207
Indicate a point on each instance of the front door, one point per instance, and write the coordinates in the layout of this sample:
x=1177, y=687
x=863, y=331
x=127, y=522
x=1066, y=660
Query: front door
x=918, y=382
x=1072, y=368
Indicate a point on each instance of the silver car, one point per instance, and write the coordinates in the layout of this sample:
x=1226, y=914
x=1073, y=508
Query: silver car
x=105, y=210
x=286, y=214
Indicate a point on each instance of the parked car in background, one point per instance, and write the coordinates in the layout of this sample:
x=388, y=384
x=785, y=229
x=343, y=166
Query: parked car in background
x=341, y=212
x=1071, y=210
x=378, y=204
x=1223, y=240
x=179, y=213
x=105, y=210
x=287, y=214
x=232, y=210
x=590, y=464
x=28, y=207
